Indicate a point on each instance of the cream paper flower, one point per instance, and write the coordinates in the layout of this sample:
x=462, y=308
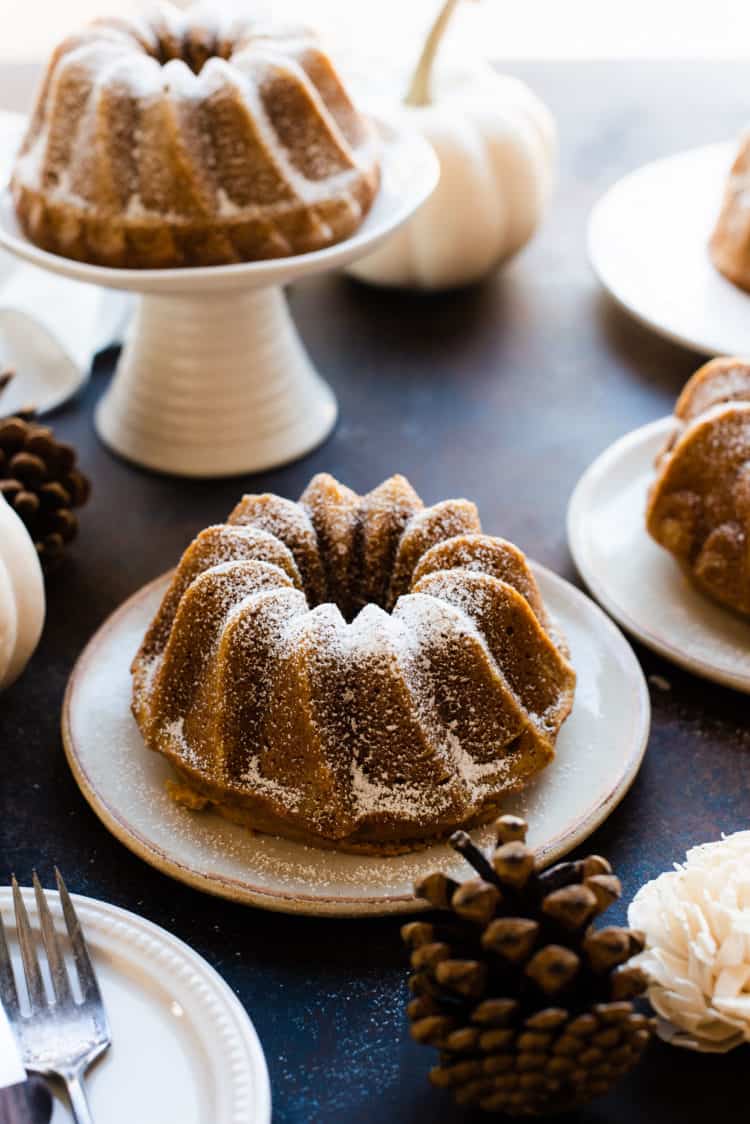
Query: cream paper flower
x=696, y=920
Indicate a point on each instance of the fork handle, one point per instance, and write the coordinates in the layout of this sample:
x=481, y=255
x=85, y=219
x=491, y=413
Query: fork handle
x=77, y=1094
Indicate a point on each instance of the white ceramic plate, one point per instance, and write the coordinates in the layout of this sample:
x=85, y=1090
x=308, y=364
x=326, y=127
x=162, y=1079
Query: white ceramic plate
x=183, y=1048
x=648, y=244
x=637, y=581
x=599, y=751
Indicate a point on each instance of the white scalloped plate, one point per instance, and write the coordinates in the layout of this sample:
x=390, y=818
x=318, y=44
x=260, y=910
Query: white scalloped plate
x=599, y=751
x=637, y=581
x=648, y=244
x=183, y=1048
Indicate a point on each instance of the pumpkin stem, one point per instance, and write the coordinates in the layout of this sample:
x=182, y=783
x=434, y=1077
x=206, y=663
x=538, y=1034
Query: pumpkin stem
x=6, y=375
x=419, y=89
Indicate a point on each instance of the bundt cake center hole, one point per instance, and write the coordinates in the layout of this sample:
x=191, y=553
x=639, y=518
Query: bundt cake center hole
x=351, y=602
x=194, y=50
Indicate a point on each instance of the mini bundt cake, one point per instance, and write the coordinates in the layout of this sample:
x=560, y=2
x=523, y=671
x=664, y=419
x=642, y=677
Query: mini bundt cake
x=699, y=504
x=352, y=671
x=730, y=242
x=185, y=139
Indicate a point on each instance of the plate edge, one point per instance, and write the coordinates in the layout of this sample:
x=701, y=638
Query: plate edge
x=577, y=545
x=161, y=936
x=339, y=906
x=594, y=259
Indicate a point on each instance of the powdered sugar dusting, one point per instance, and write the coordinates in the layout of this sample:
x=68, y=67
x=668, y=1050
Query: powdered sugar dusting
x=699, y=507
x=397, y=722
x=595, y=749
x=322, y=167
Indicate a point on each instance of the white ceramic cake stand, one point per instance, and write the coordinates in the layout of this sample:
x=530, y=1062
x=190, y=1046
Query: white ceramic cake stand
x=213, y=379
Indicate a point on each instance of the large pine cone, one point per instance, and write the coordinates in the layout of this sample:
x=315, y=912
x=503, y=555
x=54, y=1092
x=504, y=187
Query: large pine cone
x=40, y=479
x=529, y=1006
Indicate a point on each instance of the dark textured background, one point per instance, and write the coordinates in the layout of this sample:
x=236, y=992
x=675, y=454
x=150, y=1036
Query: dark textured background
x=503, y=393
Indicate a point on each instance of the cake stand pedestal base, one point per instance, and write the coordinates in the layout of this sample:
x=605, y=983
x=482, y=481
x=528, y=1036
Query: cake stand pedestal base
x=215, y=384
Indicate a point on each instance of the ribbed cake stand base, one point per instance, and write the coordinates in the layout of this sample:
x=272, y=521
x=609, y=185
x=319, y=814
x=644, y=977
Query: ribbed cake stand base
x=214, y=385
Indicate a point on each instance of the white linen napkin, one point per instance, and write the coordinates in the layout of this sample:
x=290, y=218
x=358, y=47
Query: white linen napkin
x=11, y=1069
x=50, y=328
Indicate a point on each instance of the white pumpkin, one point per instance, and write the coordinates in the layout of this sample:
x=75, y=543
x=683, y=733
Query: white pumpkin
x=22, y=601
x=497, y=146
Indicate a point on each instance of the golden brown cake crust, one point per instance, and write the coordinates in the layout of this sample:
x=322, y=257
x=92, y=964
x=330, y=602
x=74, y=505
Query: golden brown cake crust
x=730, y=242
x=199, y=795
x=293, y=709
x=699, y=504
x=181, y=141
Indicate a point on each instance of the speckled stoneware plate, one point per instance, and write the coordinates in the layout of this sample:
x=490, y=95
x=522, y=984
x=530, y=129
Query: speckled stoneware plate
x=637, y=581
x=599, y=751
x=183, y=1048
x=648, y=244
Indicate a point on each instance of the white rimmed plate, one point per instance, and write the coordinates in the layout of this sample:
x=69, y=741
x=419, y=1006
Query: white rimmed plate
x=599, y=751
x=183, y=1048
x=648, y=244
x=637, y=581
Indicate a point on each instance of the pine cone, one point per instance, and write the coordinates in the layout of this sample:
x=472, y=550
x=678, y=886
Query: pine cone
x=40, y=479
x=529, y=1006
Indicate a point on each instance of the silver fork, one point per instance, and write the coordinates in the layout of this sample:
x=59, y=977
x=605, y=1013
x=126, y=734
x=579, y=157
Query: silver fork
x=59, y=1037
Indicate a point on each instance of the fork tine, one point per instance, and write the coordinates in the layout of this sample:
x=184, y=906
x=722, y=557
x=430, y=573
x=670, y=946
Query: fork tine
x=34, y=983
x=8, y=992
x=86, y=975
x=58, y=971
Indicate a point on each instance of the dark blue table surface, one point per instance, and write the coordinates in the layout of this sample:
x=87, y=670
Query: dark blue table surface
x=503, y=393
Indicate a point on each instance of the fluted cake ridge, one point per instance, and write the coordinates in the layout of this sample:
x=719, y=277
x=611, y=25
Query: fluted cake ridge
x=354, y=671
x=192, y=138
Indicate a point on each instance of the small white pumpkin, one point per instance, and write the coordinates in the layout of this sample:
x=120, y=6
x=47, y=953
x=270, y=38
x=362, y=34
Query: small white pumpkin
x=497, y=146
x=22, y=601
